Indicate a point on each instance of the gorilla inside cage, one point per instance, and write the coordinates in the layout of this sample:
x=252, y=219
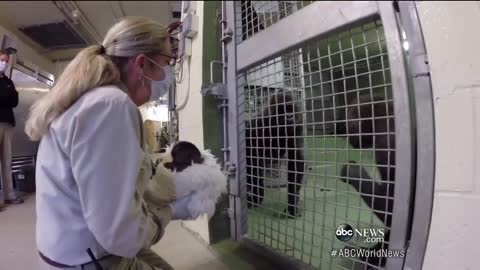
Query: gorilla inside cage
x=320, y=147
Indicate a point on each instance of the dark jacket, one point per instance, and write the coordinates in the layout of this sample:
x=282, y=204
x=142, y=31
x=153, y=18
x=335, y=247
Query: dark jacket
x=8, y=100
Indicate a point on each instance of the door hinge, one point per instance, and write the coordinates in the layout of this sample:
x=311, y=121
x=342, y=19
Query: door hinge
x=227, y=36
x=231, y=170
x=230, y=212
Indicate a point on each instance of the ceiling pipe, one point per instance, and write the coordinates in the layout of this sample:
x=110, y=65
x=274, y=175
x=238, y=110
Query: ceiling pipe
x=84, y=22
x=117, y=9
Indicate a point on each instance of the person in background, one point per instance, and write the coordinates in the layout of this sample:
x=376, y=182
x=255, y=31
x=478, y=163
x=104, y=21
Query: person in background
x=92, y=167
x=8, y=101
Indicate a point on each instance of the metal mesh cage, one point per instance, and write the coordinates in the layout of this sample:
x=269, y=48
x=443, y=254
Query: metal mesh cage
x=255, y=16
x=318, y=145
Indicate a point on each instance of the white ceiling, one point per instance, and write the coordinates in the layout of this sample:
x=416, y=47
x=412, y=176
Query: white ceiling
x=100, y=14
x=23, y=13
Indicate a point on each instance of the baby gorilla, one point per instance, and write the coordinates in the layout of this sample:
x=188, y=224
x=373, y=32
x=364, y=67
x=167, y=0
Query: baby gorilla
x=183, y=169
x=184, y=154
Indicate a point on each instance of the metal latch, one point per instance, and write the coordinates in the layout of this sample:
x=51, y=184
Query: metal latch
x=216, y=89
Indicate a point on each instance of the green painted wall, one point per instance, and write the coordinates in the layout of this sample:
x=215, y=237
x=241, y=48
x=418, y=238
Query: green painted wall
x=219, y=225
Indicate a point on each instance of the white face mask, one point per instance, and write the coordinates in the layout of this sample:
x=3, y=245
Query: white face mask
x=3, y=66
x=160, y=88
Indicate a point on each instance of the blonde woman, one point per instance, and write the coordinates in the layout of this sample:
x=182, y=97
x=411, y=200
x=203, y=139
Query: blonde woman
x=92, y=169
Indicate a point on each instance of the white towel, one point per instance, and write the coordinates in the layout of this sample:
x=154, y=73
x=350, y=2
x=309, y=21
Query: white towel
x=207, y=179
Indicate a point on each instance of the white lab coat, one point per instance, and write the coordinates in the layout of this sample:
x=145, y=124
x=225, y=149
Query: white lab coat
x=91, y=175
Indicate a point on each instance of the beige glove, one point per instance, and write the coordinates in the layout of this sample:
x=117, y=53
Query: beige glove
x=161, y=188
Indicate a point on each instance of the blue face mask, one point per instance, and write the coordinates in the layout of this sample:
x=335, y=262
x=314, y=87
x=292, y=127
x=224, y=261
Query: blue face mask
x=160, y=88
x=3, y=66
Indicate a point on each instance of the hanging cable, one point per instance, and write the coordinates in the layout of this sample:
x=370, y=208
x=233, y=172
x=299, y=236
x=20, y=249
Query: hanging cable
x=185, y=101
x=180, y=71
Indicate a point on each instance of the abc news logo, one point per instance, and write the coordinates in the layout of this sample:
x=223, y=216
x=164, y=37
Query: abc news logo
x=345, y=233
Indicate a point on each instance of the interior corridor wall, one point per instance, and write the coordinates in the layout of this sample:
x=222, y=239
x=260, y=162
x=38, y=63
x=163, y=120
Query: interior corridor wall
x=452, y=41
x=28, y=54
x=190, y=117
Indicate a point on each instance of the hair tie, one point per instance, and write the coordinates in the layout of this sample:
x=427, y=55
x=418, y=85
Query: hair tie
x=102, y=49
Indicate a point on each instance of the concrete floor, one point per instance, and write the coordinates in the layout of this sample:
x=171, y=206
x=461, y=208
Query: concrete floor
x=18, y=248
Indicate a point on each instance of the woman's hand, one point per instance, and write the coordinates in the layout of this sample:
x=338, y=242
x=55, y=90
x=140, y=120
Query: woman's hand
x=180, y=209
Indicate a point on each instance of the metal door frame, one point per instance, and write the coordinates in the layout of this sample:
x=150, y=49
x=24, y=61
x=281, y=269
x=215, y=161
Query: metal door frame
x=239, y=57
x=425, y=135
